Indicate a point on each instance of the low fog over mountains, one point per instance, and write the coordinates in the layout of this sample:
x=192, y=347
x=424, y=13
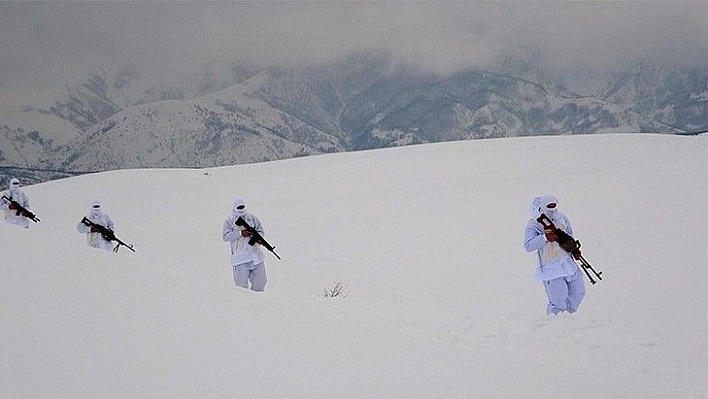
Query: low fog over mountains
x=237, y=113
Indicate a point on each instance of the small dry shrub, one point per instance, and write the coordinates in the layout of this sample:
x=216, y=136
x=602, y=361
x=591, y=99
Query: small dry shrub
x=338, y=291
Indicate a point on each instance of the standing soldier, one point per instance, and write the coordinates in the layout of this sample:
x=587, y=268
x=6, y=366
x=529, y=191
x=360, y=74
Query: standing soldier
x=94, y=238
x=556, y=268
x=247, y=260
x=12, y=214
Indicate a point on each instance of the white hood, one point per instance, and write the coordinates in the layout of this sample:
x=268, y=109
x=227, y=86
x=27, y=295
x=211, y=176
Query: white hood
x=14, y=185
x=538, y=206
x=239, y=202
x=94, y=213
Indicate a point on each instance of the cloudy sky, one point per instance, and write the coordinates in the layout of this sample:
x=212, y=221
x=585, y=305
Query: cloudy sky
x=51, y=42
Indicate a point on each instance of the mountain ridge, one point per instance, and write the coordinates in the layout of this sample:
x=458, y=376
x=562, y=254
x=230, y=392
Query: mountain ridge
x=245, y=114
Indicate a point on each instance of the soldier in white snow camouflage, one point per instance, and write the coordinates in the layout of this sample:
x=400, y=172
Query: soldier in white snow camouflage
x=21, y=198
x=556, y=268
x=247, y=260
x=93, y=236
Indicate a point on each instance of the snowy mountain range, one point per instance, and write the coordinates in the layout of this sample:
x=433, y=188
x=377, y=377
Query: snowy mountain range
x=238, y=114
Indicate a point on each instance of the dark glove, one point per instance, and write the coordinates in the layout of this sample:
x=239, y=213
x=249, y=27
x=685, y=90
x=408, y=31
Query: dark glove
x=94, y=229
x=12, y=206
x=551, y=235
x=245, y=233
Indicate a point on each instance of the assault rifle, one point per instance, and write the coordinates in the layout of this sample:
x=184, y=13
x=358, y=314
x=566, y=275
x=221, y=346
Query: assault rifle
x=256, y=237
x=571, y=245
x=21, y=210
x=107, y=234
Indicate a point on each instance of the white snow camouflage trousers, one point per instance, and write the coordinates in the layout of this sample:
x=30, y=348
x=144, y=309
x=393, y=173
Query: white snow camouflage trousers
x=564, y=293
x=255, y=273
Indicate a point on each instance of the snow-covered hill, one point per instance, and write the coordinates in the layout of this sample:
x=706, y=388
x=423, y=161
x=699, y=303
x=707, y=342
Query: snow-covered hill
x=428, y=241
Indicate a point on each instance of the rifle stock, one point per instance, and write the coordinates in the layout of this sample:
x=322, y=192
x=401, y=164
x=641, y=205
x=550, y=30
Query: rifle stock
x=107, y=234
x=566, y=242
x=256, y=237
x=21, y=210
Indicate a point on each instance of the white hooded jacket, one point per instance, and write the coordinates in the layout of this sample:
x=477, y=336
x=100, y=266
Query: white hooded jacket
x=553, y=261
x=241, y=251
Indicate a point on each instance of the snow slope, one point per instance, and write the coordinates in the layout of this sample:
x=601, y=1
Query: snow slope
x=428, y=241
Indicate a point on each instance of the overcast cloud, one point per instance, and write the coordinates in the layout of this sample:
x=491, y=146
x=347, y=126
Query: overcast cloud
x=51, y=42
